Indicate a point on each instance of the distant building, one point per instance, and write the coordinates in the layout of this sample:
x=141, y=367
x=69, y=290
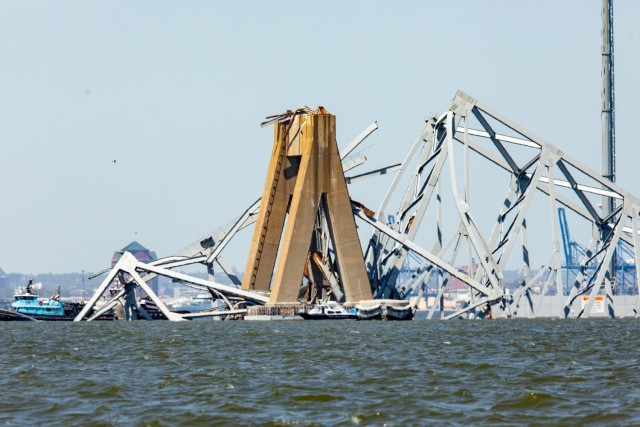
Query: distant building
x=457, y=285
x=142, y=254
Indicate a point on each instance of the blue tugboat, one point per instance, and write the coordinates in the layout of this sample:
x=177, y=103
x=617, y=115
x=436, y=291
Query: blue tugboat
x=27, y=303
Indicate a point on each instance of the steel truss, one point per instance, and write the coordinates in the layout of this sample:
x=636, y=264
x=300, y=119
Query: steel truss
x=205, y=251
x=469, y=133
x=470, y=130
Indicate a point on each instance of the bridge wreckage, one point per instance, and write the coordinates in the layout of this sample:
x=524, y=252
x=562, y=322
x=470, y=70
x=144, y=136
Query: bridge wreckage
x=306, y=248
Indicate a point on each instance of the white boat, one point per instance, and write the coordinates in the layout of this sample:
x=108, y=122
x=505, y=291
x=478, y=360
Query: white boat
x=328, y=310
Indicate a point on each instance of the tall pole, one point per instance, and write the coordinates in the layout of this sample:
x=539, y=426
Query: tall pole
x=608, y=112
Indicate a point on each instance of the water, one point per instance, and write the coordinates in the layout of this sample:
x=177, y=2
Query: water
x=497, y=372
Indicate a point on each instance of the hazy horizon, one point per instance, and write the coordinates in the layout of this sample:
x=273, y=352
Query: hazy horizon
x=174, y=92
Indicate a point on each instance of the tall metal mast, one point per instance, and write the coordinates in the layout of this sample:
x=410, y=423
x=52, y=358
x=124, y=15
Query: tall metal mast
x=608, y=101
x=608, y=111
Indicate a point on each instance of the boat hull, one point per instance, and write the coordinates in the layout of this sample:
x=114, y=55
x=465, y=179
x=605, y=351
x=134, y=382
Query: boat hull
x=308, y=316
x=13, y=316
x=384, y=310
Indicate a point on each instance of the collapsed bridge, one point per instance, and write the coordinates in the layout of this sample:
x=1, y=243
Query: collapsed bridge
x=305, y=248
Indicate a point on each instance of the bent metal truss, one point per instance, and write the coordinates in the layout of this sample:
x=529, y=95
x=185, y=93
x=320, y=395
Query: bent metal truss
x=516, y=176
x=532, y=169
x=130, y=273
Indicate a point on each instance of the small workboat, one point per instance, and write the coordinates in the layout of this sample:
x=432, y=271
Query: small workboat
x=327, y=311
x=26, y=302
x=153, y=310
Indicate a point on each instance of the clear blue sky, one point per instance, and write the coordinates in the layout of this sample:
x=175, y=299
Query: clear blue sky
x=175, y=92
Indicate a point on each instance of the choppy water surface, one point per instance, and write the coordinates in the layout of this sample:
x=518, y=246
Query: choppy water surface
x=498, y=372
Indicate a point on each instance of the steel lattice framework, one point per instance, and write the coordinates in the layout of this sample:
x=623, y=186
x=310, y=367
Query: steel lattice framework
x=205, y=252
x=532, y=168
x=437, y=176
